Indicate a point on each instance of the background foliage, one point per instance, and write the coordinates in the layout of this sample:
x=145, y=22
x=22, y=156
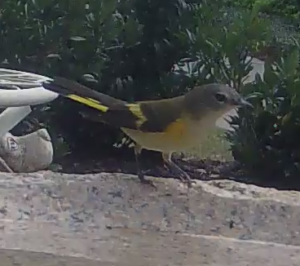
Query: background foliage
x=266, y=141
x=288, y=9
x=127, y=49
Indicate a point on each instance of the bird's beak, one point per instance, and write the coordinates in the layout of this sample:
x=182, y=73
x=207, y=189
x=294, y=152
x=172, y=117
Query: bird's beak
x=244, y=103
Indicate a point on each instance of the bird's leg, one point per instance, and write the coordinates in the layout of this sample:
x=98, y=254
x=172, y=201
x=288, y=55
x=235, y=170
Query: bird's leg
x=141, y=176
x=184, y=176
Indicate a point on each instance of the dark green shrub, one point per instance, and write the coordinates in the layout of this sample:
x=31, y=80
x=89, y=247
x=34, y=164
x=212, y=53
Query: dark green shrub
x=222, y=47
x=266, y=140
x=289, y=9
x=59, y=38
x=130, y=48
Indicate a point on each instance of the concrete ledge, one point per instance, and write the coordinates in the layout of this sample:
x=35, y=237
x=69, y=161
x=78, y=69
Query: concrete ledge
x=135, y=248
x=111, y=219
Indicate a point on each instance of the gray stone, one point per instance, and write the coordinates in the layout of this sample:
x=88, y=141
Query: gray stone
x=111, y=219
x=28, y=153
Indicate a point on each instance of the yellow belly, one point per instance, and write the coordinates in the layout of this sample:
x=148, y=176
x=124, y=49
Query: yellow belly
x=179, y=136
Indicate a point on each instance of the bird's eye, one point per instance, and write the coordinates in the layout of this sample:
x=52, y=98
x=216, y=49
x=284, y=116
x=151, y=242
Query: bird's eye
x=220, y=97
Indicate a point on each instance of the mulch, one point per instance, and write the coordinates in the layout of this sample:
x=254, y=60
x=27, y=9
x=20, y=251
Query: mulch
x=205, y=170
x=202, y=169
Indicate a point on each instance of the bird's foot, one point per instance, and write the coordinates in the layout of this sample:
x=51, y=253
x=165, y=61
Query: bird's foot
x=183, y=175
x=185, y=178
x=145, y=181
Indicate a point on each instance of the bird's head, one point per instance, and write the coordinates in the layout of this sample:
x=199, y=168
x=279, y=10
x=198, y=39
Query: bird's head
x=214, y=98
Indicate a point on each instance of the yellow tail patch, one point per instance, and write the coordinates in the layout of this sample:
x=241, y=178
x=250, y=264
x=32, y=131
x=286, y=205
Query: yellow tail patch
x=136, y=110
x=89, y=102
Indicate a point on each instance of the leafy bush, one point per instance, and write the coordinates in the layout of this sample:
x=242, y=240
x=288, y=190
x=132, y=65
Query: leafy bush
x=128, y=49
x=222, y=47
x=289, y=9
x=266, y=141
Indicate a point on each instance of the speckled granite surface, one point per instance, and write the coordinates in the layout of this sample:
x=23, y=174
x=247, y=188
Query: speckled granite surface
x=111, y=219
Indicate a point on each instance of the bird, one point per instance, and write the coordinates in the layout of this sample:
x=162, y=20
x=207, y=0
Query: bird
x=166, y=125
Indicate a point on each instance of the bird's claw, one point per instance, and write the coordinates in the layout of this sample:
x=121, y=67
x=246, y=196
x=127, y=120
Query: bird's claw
x=188, y=181
x=148, y=182
x=145, y=181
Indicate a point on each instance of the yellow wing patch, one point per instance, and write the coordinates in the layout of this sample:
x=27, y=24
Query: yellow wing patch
x=136, y=110
x=89, y=102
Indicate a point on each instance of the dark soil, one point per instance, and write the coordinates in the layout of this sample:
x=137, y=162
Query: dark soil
x=153, y=166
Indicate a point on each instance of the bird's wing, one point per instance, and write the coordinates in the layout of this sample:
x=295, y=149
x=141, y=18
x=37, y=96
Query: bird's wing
x=148, y=116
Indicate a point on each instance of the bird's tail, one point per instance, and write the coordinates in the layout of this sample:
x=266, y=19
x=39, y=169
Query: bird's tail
x=80, y=93
x=112, y=111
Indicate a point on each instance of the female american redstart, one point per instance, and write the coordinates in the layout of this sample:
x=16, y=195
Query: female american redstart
x=168, y=125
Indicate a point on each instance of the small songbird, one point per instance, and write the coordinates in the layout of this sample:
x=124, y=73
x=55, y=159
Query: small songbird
x=168, y=125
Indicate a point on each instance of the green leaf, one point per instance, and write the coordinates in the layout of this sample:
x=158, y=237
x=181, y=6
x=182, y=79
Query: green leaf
x=291, y=62
x=54, y=56
x=270, y=76
x=77, y=38
x=108, y=8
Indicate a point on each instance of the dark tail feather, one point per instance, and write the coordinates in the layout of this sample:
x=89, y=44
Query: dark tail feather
x=112, y=111
x=66, y=87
